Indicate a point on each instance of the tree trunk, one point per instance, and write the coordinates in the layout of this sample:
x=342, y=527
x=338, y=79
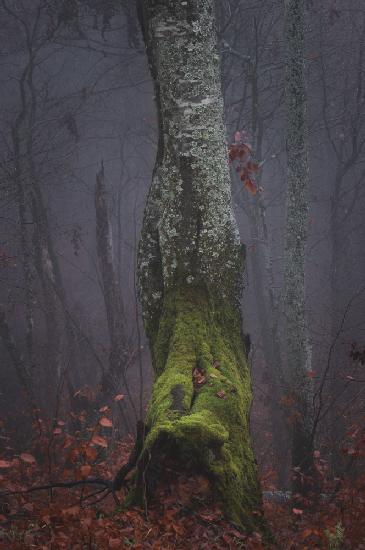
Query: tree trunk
x=118, y=357
x=298, y=348
x=190, y=268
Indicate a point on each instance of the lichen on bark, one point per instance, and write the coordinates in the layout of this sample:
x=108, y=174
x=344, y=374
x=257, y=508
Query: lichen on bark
x=298, y=345
x=190, y=266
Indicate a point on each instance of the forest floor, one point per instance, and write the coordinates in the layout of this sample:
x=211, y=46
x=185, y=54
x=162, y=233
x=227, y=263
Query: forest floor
x=181, y=516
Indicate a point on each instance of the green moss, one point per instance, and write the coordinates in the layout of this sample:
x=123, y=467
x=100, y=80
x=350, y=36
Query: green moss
x=209, y=427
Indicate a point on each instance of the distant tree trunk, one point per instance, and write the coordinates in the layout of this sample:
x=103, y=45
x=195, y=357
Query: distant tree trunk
x=21, y=368
x=263, y=285
x=26, y=182
x=190, y=268
x=58, y=323
x=298, y=348
x=271, y=345
x=24, y=240
x=29, y=192
x=110, y=285
x=116, y=372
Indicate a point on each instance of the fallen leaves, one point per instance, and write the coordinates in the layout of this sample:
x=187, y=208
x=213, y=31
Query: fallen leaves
x=183, y=515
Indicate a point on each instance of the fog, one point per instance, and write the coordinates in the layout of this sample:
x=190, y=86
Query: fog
x=77, y=95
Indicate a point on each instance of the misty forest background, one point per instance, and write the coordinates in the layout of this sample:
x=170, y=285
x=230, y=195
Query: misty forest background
x=77, y=149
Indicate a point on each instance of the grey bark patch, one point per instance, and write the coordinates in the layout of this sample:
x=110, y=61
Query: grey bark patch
x=189, y=212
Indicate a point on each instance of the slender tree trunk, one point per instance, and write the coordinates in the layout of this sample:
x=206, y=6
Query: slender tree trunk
x=21, y=369
x=25, y=250
x=338, y=252
x=190, y=268
x=111, y=290
x=22, y=211
x=298, y=348
x=116, y=372
x=271, y=345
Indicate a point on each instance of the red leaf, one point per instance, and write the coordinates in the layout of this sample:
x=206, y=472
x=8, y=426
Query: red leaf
x=29, y=459
x=199, y=377
x=297, y=511
x=221, y=394
x=5, y=464
x=104, y=409
x=309, y=532
x=247, y=148
x=311, y=374
x=250, y=186
x=105, y=422
x=253, y=166
x=85, y=470
x=90, y=453
x=72, y=511
x=208, y=516
x=119, y=397
x=100, y=441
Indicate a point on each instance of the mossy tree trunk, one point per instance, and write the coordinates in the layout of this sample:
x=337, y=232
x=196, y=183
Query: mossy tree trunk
x=190, y=268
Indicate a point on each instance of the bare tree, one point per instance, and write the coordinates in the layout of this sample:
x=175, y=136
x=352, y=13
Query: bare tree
x=119, y=352
x=298, y=346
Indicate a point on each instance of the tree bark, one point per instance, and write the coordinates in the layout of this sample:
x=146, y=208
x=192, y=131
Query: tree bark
x=298, y=347
x=190, y=268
